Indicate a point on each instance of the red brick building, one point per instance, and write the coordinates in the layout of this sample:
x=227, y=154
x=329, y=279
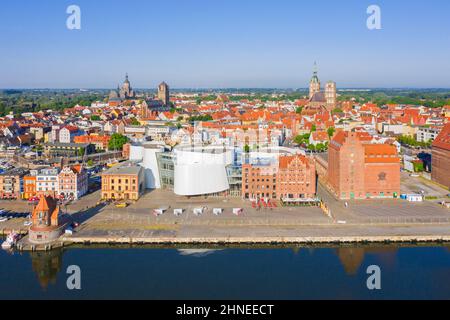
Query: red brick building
x=259, y=181
x=296, y=178
x=291, y=177
x=46, y=225
x=440, y=168
x=360, y=170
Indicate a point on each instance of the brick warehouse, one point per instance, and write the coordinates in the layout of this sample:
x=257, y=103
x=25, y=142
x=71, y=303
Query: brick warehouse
x=358, y=169
x=440, y=169
x=291, y=177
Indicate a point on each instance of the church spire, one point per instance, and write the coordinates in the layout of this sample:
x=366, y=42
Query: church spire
x=315, y=78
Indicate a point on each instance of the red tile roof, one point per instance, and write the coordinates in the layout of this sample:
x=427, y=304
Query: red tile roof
x=381, y=153
x=442, y=141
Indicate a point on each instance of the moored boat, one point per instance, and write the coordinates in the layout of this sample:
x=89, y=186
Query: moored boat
x=10, y=241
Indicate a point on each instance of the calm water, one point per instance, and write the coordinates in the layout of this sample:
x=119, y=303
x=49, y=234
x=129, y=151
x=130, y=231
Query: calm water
x=326, y=273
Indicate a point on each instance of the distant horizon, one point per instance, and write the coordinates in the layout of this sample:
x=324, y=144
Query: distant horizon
x=224, y=44
x=229, y=88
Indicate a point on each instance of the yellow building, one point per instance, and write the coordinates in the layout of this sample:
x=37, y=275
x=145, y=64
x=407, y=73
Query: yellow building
x=123, y=182
x=47, y=137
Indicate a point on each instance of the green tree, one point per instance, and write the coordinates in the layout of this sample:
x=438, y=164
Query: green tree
x=304, y=138
x=418, y=166
x=247, y=148
x=331, y=131
x=117, y=141
x=298, y=139
x=81, y=152
x=299, y=110
x=313, y=128
x=205, y=118
x=135, y=122
x=95, y=117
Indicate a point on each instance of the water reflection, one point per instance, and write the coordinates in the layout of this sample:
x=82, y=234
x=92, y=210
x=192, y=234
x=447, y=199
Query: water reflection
x=198, y=253
x=352, y=258
x=305, y=262
x=47, y=265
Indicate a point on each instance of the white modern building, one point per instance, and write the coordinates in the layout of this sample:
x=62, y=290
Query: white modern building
x=202, y=170
x=146, y=155
x=199, y=170
x=47, y=181
x=425, y=134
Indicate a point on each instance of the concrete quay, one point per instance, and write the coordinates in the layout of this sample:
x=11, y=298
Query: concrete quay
x=257, y=235
x=262, y=240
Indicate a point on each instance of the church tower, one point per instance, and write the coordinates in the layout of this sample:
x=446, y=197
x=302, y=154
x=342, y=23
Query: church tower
x=163, y=94
x=330, y=95
x=126, y=91
x=314, y=84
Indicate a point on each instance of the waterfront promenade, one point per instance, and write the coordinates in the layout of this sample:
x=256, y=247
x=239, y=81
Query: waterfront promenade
x=361, y=221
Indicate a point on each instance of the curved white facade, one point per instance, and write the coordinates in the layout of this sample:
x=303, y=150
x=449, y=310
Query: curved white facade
x=146, y=154
x=201, y=170
x=136, y=153
x=150, y=163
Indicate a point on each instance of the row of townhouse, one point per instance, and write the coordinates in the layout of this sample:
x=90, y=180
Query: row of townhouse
x=69, y=183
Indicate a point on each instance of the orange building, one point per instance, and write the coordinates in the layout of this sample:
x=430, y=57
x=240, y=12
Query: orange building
x=100, y=141
x=360, y=170
x=29, y=187
x=46, y=225
x=296, y=178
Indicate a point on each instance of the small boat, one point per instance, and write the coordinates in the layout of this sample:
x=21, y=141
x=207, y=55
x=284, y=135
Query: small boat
x=10, y=241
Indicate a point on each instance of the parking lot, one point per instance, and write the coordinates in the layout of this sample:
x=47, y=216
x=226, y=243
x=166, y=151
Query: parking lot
x=11, y=220
x=389, y=211
x=140, y=215
x=411, y=184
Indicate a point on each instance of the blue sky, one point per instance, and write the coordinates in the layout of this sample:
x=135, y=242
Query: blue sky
x=224, y=43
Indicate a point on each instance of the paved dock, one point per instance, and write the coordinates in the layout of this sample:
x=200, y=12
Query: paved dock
x=380, y=221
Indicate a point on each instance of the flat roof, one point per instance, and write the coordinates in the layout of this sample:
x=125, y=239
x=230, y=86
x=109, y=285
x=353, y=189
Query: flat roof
x=124, y=168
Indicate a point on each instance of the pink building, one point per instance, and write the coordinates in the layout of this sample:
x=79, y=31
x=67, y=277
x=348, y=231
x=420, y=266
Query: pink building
x=72, y=182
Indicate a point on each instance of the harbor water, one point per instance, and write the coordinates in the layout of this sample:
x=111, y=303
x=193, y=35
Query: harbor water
x=243, y=273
